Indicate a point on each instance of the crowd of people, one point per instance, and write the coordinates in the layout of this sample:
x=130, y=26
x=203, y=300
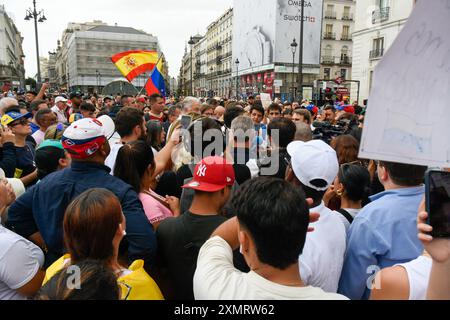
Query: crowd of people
x=153, y=198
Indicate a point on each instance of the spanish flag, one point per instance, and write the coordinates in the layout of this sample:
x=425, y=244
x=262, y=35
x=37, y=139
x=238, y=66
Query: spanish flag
x=156, y=83
x=133, y=63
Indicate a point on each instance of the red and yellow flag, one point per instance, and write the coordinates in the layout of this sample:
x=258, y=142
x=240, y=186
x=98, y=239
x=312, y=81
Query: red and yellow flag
x=133, y=63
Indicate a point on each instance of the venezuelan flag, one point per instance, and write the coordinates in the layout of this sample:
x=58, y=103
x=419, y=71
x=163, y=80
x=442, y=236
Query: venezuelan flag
x=133, y=63
x=156, y=82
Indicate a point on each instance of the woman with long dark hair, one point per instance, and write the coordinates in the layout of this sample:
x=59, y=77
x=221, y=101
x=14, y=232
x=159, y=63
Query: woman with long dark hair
x=155, y=135
x=136, y=166
x=352, y=187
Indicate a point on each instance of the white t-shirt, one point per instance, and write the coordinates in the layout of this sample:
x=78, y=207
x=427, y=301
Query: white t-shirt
x=323, y=255
x=38, y=136
x=111, y=160
x=353, y=213
x=61, y=116
x=20, y=260
x=418, y=271
x=216, y=279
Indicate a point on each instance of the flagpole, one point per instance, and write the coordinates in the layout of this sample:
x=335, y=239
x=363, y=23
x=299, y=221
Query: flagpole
x=156, y=66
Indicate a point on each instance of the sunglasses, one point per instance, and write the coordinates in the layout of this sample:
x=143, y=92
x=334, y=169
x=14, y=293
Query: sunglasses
x=21, y=121
x=354, y=163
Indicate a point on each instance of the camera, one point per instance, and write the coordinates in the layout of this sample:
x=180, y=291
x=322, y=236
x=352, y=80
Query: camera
x=326, y=131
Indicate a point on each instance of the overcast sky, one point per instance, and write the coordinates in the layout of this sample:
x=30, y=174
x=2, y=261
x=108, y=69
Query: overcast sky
x=172, y=21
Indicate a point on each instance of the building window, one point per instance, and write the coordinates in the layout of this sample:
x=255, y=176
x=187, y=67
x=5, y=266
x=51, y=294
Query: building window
x=329, y=32
x=344, y=74
x=347, y=15
x=326, y=73
x=345, y=33
x=377, y=48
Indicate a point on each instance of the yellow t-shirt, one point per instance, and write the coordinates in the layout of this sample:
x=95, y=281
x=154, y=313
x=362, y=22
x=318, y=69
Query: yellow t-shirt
x=136, y=285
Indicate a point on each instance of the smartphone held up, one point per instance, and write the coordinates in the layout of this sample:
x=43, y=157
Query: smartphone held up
x=437, y=198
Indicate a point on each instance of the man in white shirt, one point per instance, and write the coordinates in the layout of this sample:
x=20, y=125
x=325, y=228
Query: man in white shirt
x=21, y=261
x=313, y=168
x=271, y=225
x=60, y=109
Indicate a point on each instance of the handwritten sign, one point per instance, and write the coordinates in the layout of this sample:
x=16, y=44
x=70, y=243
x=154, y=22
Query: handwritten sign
x=408, y=115
x=266, y=100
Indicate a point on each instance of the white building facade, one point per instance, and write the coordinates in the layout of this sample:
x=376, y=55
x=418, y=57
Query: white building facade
x=12, y=71
x=337, y=45
x=377, y=24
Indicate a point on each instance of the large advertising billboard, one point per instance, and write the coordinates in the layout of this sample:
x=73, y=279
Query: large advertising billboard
x=288, y=28
x=254, y=33
x=263, y=31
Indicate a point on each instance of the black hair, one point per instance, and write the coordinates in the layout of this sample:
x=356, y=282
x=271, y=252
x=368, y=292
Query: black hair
x=276, y=215
x=330, y=107
x=87, y=107
x=154, y=97
x=154, y=129
x=47, y=160
x=97, y=282
x=127, y=119
x=205, y=124
x=132, y=161
x=232, y=113
x=275, y=106
x=286, y=129
x=258, y=107
x=405, y=175
x=40, y=114
x=35, y=104
x=356, y=181
x=314, y=194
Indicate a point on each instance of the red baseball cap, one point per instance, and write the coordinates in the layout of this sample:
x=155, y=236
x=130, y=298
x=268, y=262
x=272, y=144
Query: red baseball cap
x=212, y=174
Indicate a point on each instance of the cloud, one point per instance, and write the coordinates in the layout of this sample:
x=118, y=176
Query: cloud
x=172, y=21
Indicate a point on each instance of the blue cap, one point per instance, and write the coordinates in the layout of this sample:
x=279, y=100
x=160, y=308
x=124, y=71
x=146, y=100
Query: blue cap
x=12, y=116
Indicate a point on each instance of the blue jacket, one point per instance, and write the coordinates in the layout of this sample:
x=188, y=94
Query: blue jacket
x=42, y=209
x=383, y=234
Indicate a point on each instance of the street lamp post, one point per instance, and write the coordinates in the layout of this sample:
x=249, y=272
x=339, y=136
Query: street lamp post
x=300, y=71
x=294, y=50
x=191, y=43
x=237, y=78
x=33, y=13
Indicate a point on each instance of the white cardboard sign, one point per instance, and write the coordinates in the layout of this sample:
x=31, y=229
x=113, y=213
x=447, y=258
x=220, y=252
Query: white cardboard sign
x=408, y=115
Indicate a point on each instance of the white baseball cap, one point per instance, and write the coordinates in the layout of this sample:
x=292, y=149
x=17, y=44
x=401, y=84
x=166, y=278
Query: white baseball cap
x=313, y=160
x=60, y=99
x=16, y=184
x=84, y=137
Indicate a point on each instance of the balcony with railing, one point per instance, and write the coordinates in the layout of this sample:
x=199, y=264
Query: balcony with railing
x=346, y=37
x=328, y=60
x=330, y=14
x=347, y=17
x=329, y=36
x=381, y=15
x=345, y=61
x=376, y=54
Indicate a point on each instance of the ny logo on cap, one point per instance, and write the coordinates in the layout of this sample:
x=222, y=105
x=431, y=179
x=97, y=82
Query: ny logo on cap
x=201, y=170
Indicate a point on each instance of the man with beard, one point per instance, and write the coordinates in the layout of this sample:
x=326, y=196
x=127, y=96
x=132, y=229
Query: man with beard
x=75, y=102
x=130, y=125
